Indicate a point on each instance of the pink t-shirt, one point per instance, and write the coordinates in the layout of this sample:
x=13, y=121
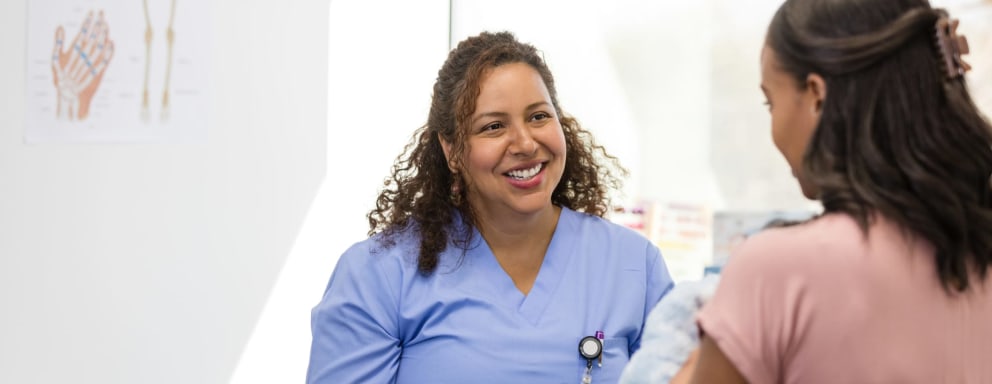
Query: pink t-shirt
x=820, y=303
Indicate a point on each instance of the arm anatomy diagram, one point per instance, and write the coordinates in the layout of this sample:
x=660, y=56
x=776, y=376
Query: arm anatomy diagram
x=170, y=36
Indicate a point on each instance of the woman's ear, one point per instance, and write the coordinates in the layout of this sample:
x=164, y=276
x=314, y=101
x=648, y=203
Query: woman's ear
x=817, y=88
x=446, y=147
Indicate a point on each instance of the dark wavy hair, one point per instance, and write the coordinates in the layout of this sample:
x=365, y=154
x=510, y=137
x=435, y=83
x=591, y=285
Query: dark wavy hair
x=897, y=136
x=419, y=192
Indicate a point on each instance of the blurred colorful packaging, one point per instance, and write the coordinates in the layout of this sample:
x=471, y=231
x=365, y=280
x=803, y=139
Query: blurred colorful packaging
x=693, y=239
x=682, y=231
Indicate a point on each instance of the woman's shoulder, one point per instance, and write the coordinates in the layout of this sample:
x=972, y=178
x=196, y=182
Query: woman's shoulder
x=832, y=229
x=822, y=242
x=610, y=243
x=599, y=228
x=390, y=251
x=398, y=249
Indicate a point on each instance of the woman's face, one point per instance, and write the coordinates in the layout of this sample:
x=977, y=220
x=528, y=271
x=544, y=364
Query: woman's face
x=795, y=110
x=515, y=147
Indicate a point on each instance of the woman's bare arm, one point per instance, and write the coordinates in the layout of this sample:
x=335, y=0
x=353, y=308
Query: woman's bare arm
x=713, y=367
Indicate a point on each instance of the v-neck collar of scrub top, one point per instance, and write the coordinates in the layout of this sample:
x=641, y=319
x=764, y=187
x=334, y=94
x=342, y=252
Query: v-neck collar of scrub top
x=553, y=268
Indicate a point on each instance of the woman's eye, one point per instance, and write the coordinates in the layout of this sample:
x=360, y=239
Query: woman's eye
x=540, y=116
x=492, y=126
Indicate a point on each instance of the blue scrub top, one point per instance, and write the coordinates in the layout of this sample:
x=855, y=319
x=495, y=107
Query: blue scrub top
x=380, y=321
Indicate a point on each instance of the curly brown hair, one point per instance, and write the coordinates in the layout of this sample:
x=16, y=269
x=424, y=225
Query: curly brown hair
x=419, y=194
x=897, y=136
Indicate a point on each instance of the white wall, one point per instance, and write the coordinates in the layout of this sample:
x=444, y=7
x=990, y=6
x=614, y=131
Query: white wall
x=151, y=263
x=384, y=57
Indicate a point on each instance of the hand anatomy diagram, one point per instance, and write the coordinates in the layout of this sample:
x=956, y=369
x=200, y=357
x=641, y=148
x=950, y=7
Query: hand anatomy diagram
x=169, y=39
x=78, y=68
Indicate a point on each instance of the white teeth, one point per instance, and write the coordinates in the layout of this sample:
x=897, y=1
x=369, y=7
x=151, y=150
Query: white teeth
x=524, y=174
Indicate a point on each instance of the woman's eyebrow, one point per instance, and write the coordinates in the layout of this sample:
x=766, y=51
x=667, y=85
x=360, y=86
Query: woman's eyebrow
x=504, y=114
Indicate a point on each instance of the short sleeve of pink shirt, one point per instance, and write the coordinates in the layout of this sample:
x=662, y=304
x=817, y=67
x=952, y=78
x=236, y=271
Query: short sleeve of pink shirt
x=822, y=303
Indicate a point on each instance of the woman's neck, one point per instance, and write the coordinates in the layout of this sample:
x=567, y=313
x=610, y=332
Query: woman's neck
x=520, y=232
x=519, y=246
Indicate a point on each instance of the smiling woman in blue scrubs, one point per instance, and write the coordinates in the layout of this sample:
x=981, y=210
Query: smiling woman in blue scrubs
x=489, y=260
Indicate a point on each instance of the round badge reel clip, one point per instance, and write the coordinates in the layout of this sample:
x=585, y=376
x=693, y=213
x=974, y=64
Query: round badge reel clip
x=590, y=348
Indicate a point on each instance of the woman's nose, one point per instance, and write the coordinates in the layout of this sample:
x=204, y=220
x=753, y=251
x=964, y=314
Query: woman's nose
x=522, y=141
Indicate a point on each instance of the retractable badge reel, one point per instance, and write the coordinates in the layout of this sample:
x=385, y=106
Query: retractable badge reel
x=590, y=348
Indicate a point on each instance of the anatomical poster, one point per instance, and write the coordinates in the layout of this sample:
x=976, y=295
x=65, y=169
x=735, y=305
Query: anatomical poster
x=129, y=71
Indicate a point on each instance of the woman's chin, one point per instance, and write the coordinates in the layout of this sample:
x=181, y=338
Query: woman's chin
x=809, y=191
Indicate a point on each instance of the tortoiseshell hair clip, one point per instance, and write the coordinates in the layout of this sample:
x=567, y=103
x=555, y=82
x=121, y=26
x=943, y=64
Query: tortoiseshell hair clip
x=951, y=47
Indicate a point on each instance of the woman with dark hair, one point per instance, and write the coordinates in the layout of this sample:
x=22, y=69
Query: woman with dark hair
x=488, y=259
x=870, y=109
